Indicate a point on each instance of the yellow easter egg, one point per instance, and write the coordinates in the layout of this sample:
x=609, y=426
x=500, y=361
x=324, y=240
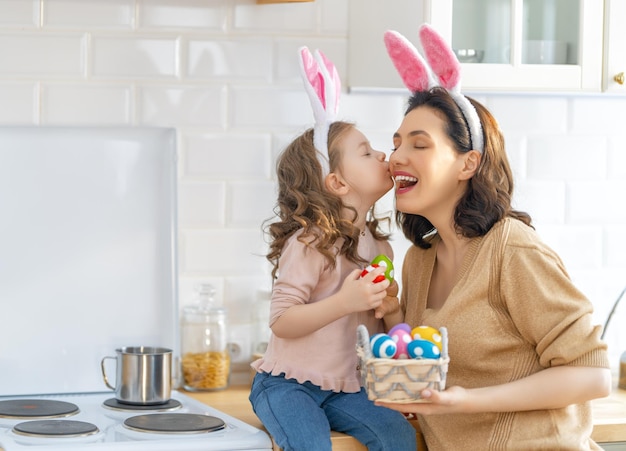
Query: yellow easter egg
x=427, y=333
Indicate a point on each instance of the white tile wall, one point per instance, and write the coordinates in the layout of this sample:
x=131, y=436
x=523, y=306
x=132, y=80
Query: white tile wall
x=224, y=72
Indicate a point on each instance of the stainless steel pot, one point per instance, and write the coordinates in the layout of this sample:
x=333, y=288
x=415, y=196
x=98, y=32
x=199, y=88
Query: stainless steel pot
x=143, y=375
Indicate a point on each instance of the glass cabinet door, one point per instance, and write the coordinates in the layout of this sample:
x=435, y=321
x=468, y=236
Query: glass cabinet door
x=481, y=31
x=553, y=45
x=548, y=31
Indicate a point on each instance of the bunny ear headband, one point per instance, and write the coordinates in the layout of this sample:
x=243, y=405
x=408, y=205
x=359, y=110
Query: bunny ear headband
x=444, y=71
x=323, y=86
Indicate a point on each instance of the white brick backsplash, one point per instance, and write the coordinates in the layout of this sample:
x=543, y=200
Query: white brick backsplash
x=261, y=107
x=134, y=57
x=580, y=247
x=288, y=18
x=536, y=114
x=113, y=14
x=563, y=157
x=543, y=201
x=197, y=105
x=515, y=143
x=199, y=14
x=617, y=158
x=288, y=67
x=85, y=104
x=224, y=252
x=389, y=111
x=201, y=204
x=588, y=201
x=240, y=59
x=47, y=56
x=251, y=203
x=599, y=116
x=225, y=74
x=19, y=12
x=335, y=17
x=245, y=156
x=615, y=246
x=18, y=104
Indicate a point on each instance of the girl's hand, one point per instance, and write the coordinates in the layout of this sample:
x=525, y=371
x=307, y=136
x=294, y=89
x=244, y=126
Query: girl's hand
x=361, y=293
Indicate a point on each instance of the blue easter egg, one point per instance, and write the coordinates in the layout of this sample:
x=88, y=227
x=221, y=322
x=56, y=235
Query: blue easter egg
x=383, y=346
x=423, y=349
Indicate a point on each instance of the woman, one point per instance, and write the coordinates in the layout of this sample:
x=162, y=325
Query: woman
x=525, y=358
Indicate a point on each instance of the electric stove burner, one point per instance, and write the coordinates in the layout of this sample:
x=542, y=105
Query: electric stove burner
x=168, y=406
x=55, y=428
x=174, y=423
x=36, y=408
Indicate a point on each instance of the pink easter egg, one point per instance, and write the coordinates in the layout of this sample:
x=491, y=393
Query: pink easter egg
x=402, y=338
x=400, y=326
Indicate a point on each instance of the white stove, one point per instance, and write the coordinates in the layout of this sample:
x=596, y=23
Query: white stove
x=112, y=434
x=89, y=265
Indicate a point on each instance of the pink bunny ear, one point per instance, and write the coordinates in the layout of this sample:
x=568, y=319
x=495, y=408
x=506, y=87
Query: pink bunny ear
x=408, y=62
x=333, y=91
x=441, y=58
x=323, y=86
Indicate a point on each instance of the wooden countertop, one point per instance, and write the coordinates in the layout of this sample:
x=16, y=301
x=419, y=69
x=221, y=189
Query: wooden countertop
x=609, y=416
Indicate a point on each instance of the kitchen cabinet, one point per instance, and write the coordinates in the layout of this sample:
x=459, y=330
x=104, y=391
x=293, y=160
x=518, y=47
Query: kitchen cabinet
x=615, y=47
x=503, y=45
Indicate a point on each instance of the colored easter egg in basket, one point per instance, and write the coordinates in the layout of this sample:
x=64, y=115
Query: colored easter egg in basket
x=380, y=260
x=383, y=346
x=423, y=349
x=402, y=339
x=427, y=333
x=400, y=326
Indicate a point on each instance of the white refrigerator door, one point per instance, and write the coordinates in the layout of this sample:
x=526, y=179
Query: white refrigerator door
x=87, y=252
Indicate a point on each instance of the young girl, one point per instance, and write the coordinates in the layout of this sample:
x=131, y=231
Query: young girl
x=525, y=358
x=308, y=382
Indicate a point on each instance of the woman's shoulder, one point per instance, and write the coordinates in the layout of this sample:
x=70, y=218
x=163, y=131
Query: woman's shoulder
x=520, y=236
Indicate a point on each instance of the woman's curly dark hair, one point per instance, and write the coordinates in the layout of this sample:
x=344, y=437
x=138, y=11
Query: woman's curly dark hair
x=489, y=192
x=305, y=203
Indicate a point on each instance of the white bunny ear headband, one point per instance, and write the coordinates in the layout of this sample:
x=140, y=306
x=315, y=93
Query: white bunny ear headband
x=443, y=69
x=323, y=86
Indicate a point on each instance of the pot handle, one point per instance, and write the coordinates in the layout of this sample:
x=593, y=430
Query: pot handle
x=104, y=374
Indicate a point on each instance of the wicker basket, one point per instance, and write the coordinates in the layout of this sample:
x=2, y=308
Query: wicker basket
x=400, y=380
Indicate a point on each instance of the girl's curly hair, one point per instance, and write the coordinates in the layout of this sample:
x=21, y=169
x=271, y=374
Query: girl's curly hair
x=489, y=192
x=305, y=203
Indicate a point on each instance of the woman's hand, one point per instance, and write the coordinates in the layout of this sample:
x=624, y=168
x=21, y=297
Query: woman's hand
x=390, y=304
x=551, y=388
x=435, y=402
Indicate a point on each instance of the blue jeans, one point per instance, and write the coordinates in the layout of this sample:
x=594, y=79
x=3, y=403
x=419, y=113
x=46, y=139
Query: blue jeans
x=300, y=416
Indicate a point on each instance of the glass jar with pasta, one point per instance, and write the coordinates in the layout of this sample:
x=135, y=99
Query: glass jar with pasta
x=205, y=358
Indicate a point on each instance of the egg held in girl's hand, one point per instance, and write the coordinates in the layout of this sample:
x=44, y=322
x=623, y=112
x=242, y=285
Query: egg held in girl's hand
x=380, y=260
x=383, y=346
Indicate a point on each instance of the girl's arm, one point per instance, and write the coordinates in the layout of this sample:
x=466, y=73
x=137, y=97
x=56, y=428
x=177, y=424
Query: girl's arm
x=552, y=388
x=356, y=295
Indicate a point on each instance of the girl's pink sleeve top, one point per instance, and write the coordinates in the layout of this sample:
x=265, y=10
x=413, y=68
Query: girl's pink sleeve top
x=326, y=357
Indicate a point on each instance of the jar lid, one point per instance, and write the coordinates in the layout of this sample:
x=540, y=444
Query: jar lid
x=205, y=302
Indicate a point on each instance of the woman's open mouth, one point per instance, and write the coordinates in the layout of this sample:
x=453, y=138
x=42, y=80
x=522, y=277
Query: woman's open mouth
x=404, y=183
